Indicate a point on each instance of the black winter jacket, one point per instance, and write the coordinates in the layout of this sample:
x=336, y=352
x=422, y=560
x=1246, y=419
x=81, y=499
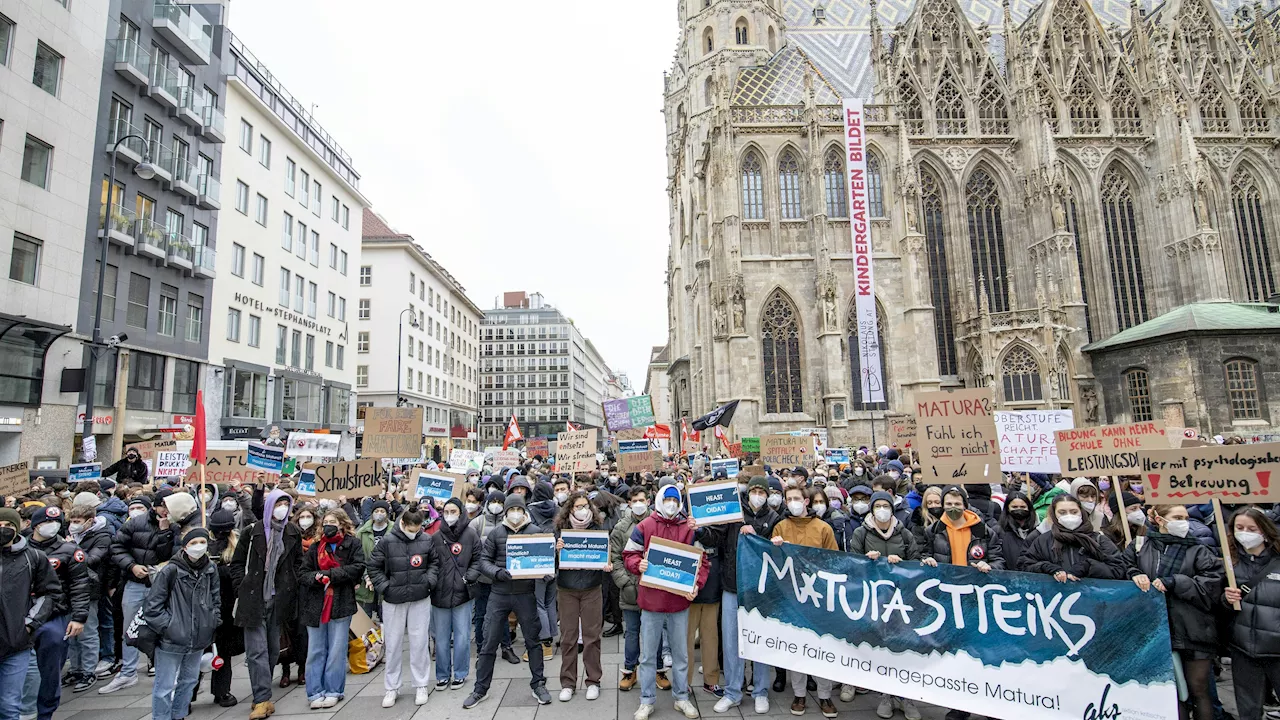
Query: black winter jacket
x=230, y=639
x=127, y=472
x=96, y=544
x=984, y=544
x=1256, y=628
x=457, y=551
x=250, y=561
x=1043, y=557
x=28, y=588
x=72, y=566
x=403, y=570
x=493, y=560
x=724, y=538
x=140, y=541
x=1014, y=546
x=1193, y=589
x=184, y=605
x=343, y=579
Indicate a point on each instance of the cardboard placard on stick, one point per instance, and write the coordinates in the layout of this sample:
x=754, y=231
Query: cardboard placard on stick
x=576, y=451
x=1107, y=449
x=392, y=432
x=15, y=479
x=356, y=479
x=956, y=436
x=1233, y=474
x=787, y=450
x=902, y=431
x=228, y=466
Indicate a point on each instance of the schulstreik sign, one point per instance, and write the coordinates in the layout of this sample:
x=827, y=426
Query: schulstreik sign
x=863, y=275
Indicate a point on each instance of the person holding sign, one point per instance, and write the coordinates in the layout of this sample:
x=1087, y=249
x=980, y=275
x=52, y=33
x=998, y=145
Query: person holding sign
x=1072, y=549
x=580, y=601
x=1255, y=642
x=1190, y=576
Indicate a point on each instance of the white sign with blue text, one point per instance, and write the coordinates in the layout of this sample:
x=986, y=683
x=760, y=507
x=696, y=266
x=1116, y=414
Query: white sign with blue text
x=728, y=465
x=672, y=566
x=584, y=550
x=437, y=486
x=715, y=503
x=531, y=556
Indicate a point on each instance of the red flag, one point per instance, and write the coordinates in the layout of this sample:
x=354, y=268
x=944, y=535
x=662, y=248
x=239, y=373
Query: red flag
x=724, y=438
x=513, y=433
x=200, y=445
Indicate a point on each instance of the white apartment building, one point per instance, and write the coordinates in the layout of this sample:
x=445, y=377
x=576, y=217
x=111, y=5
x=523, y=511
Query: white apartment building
x=51, y=57
x=280, y=348
x=417, y=333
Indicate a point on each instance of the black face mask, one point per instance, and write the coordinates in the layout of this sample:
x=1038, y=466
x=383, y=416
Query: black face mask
x=1019, y=514
x=330, y=530
x=936, y=513
x=7, y=535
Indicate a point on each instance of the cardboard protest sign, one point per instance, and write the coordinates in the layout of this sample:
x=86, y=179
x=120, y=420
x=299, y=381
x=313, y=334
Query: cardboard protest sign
x=531, y=556
x=394, y=432
x=506, y=458
x=1027, y=439
x=147, y=451
x=576, y=451
x=672, y=566
x=460, y=461
x=787, y=450
x=751, y=445
x=15, y=479
x=266, y=458
x=638, y=462
x=714, y=503
x=630, y=438
x=728, y=465
x=584, y=549
x=171, y=463
x=628, y=413
x=1195, y=475
x=736, y=451
x=902, y=431
x=84, y=471
x=439, y=486
x=956, y=436
x=228, y=466
x=355, y=479
x=536, y=446
x=1108, y=449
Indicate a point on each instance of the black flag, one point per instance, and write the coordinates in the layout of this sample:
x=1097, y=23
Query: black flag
x=722, y=415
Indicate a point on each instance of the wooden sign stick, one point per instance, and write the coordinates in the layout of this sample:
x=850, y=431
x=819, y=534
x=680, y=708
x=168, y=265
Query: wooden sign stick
x=1115, y=485
x=1223, y=543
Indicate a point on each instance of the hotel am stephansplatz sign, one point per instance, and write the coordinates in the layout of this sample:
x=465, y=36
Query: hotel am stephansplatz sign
x=864, y=285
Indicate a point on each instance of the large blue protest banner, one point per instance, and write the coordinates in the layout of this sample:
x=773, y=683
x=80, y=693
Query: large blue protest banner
x=1005, y=644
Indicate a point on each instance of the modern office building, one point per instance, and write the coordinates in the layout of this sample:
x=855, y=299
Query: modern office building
x=50, y=71
x=537, y=365
x=417, y=335
x=279, y=347
x=161, y=107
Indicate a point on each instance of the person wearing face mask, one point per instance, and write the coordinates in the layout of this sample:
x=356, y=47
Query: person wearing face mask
x=508, y=595
x=1133, y=513
x=404, y=570
x=183, y=512
x=802, y=527
x=841, y=525
x=90, y=534
x=306, y=518
x=859, y=504
x=628, y=586
x=902, y=511
x=327, y=580
x=457, y=555
x=492, y=513
x=29, y=589
x=228, y=638
x=370, y=534
x=580, y=602
x=128, y=469
x=1255, y=646
x=266, y=556
x=1072, y=549
x=662, y=610
x=1018, y=528
x=70, y=612
x=184, y=604
x=1189, y=574
x=1084, y=490
x=542, y=513
x=142, y=544
x=962, y=537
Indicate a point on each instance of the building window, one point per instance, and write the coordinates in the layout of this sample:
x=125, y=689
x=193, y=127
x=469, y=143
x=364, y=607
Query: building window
x=237, y=260
x=286, y=238
x=856, y=351
x=35, y=162
x=195, y=317
x=24, y=263
x=837, y=193
x=934, y=221
x=146, y=382
x=1213, y=111
x=290, y=177
x=346, y=218
x=304, y=188
x=242, y=197
x=300, y=293
x=362, y=376
x=789, y=186
x=48, y=69
x=364, y=310
x=949, y=107
x=295, y=348
x=282, y=344
x=310, y=358
x=342, y=309
x=312, y=293
x=186, y=381
x=1126, y=119
x=1251, y=233
x=366, y=276
x=301, y=401
x=255, y=331
x=334, y=209
x=233, y=325
x=708, y=40
x=909, y=108
x=314, y=257
x=875, y=186
x=286, y=287
x=993, y=111
x=1242, y=390
x=1119, y=222
x=1254, y=118
x=264, y=151
x=246, y=394
x=342, y=356
x=139, y=300
x=1021, y=374
x=108, y=291
x=328, y=353
x=316, y=192
x=6, y=39
x=752, y=187
x=259, y=270
x=1138, y=389
x=246, y=137
x=986, y=239
x=780, y=340
x=362, y=342
x=741, y=33
x=342, y=262
x=167, y=314
x=261, y=210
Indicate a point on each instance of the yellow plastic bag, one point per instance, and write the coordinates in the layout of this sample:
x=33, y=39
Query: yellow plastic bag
x=364, y=652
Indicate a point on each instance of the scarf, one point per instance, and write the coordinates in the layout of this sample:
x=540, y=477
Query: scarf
x=886, y=534
x=275, y=549
x=1086, y=540
x=1172, y=551
x=583, y=525
x=327, y=559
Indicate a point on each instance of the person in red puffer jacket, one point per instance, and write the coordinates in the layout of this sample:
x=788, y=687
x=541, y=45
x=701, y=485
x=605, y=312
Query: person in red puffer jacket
x=660, y=609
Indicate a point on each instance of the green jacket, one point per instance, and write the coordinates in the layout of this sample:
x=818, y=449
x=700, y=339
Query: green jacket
x=365, y=594
x=1043, y=501
x=628, y=584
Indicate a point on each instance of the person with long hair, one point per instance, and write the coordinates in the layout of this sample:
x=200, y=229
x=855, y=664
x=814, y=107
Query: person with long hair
x=1018, y=527
x=580, y=601
x=457, y=550
x=929, y=512
x=229, y=639
x=1254, y=546
x=331, y=569
x=1168, y=559
x=1133, y=514
x=1072, y=549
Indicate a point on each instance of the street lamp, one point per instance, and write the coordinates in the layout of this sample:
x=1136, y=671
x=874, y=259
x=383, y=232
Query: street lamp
x=145, y=170
x=413, y=323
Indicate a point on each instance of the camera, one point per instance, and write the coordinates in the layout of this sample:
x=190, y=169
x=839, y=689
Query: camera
x=116, y=339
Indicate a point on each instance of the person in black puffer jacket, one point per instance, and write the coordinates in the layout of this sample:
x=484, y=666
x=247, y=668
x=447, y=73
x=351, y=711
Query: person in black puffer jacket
x=580, y=601
x=1072, y=549
x=229, y=638
x=184, y=606
x=457, y=554
x=92, y=534
x=403, y=569
x=1170, y=560
x=143, y=543
x=1018, y=528
x=129, y=469
x=1255, y=629
x=71, y=608
x=542, y=512
x=327, y=581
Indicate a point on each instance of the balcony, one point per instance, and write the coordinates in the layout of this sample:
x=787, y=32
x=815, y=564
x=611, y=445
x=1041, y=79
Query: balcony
x=153, y=240
x=131, y=61
x=184, y=176
x=213, y=124
x=190, y=102
x=162, y=158
x=208, y=191
x=180, y=252
x=120, y=227
x=206, y=261
x=133, y=150
x=164, y=86
x=186, y=28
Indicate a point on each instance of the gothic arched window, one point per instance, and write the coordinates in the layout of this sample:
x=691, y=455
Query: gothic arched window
x=875, y=186
x=1020, y=374
x=1251, y=232
x=789, y=186
x=837, y=192
x=986, y=238
x=949, y=108
x=1072, y=212
x=1126, y=118
x=1083, y=108
x=1124, y=256
x=1213, y=111
x=1254, y=117
x=708, y=92
x=1137, y=386
x=752, y=187
x=708, y=40
x=780, y=350
x=933, y=219
x=993, y=111
x=741, y=35
x=856, y=350
x=909, y=108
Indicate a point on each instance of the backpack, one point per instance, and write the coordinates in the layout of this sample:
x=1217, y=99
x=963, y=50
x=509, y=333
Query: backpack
x=138, y=634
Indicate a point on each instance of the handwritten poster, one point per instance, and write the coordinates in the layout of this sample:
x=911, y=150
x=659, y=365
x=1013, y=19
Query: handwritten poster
x=956, y=436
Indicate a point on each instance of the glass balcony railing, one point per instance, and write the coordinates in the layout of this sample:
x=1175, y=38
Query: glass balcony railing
x=190, y=98
x=212, y=117
x=121, y=128
x=190, y=23
x=165, y=79
x=180, y=248
x=121, y=220
x=153, y=235
x=162, y=158
x=206, y=258
x=129, y=52
x=208, y=186
x=182, y=171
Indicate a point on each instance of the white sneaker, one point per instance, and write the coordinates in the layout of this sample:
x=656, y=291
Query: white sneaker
x=885, y=708
x=643, y=712
x=909, y=709
x=762, y=706
x=593, y=692
x=331, y=701
x=846, y=693
x=389, y=699
x=724, y=705
x=566, y=694
x=689, y=709
x=102, y=670
x=317, y=704
x=119, y=682
x=420, y=697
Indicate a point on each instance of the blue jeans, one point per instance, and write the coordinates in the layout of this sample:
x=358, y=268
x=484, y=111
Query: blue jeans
x=651, y=626
x=134, y=594
x=13, y=673
x=42, y=692
x=631, y=642
x=735, y=667
x=327, y=659
x=452, y=625
x=83, y=649
x=106, y=630
x=176, y=676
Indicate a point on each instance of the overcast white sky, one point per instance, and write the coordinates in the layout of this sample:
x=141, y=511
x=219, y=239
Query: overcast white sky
x=521, y=143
